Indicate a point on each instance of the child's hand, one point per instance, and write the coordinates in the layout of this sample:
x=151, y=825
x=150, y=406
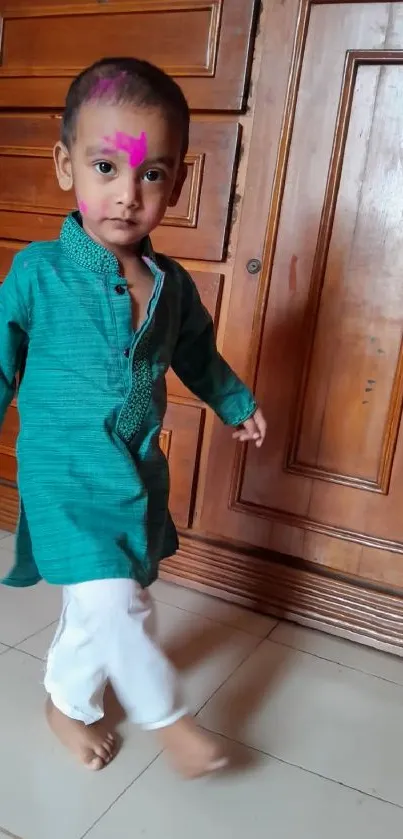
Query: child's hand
x=252, y=429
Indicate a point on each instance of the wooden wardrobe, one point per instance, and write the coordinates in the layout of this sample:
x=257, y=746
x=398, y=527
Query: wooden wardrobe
x=291, y=223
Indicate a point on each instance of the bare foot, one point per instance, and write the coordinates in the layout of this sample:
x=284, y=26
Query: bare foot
x=92, y=744
x=192, y=752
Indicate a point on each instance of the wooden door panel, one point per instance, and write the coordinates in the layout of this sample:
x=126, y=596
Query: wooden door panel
x=43, y=39
x=330, y=359
x=320, y=330
x=196, y=228
x=356, y=294
x=206, y=45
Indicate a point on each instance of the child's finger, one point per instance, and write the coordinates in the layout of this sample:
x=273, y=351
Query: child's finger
x=242, y=435
x=251, y=427
x=245, y=437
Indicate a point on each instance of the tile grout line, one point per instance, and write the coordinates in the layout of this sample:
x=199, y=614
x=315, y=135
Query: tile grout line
x=102, y=816
x=306, y=770
x=259, y=638
x=30, y=655
x=257, y=751
x=16, y=647
x=259, y=642
x=240, y=664
x=217, y=620
x=230, y=626
x=338, y=663
x=275, y=757
x=266, y=638
x=32, y=635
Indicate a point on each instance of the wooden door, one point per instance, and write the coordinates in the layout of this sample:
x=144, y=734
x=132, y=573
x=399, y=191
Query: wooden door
x=43, y=46
x=318, y=330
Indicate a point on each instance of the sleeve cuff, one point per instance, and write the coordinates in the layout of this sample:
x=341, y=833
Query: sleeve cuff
x=246, y=413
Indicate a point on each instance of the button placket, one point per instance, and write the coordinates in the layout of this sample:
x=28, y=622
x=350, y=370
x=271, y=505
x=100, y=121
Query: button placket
x=121, y=311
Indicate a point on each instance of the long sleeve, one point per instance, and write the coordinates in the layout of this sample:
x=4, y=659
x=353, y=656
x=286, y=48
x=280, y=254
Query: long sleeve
x=13, y=339
x=200, y=366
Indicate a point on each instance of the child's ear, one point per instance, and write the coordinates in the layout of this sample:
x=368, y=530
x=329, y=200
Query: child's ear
x=62, y=159
x=180, y=180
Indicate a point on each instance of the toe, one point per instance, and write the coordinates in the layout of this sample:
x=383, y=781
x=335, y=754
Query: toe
x=219, y=763
x=95, y=764
x=109, y=744
x=102, y=752
x=109, y=752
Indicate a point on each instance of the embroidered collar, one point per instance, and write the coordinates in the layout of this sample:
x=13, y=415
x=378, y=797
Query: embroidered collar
x=92, y=256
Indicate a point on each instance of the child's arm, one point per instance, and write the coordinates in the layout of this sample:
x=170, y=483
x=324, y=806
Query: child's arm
x=203, y=370
x=13, y=339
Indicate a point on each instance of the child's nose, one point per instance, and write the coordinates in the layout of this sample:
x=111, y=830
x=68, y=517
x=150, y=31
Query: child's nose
x=130, y=193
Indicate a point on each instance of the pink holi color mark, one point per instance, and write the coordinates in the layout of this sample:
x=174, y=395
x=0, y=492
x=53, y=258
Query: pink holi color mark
x=104, y=86
x=135, y=147
x=83, y=207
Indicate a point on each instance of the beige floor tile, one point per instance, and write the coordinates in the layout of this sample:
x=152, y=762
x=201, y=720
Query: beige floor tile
x=204, y=651
x=269, y=799
x=343, y=652
x=335, y=721
x=38, y=644
x=6, y=558
x=212, y=607
x=8, y=542
x=25, y=611
x=43, y=793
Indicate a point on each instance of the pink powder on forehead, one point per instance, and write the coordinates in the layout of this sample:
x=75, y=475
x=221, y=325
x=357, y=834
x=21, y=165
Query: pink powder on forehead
x=104, y=86
x=83, y=207
x=135, y=147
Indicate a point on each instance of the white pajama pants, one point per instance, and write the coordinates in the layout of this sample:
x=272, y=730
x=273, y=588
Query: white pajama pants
x=107, y=633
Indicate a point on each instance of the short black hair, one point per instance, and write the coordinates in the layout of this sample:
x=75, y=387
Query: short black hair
x=121, y=80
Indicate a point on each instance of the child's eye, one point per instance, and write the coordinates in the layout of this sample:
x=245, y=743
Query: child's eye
x=104, y=168
x=154, y=175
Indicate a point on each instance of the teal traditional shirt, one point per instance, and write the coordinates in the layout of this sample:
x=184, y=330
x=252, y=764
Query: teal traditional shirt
x=92, y=478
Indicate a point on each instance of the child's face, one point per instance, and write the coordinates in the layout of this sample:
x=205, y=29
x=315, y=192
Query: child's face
x=126, y=169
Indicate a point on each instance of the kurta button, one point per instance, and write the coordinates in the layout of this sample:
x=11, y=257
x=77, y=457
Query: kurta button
x=126, y=352
x=120, y=289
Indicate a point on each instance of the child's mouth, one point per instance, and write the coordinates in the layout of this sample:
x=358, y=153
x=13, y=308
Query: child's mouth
x=124, y=224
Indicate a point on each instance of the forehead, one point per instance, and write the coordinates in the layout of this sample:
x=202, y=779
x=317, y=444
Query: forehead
x=98, y=120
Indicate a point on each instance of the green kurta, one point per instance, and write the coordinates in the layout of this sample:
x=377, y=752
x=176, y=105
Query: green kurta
x=93, y=481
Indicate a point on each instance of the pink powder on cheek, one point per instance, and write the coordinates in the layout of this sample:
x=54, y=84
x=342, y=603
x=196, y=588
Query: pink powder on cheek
x=83, y=207
x=135, y=147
